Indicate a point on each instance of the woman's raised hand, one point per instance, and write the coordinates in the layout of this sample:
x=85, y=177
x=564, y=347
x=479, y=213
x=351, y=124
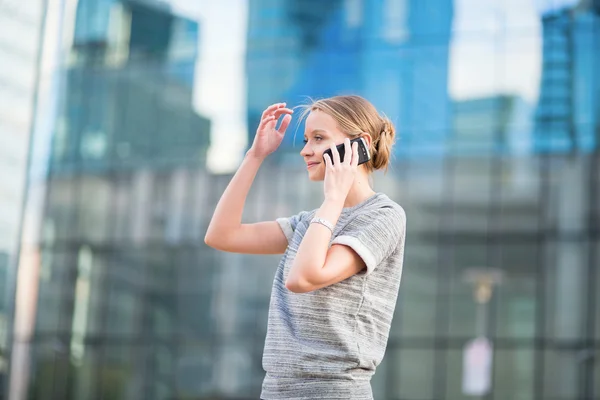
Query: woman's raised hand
x=268, y=138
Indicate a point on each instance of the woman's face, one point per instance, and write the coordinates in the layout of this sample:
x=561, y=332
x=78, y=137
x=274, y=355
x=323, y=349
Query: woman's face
x=320, y=133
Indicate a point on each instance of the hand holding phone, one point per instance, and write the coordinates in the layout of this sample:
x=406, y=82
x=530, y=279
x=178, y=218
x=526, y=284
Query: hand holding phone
x=363, y=151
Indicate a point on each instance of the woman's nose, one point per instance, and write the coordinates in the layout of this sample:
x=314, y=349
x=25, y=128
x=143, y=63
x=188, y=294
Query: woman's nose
x=306, y=150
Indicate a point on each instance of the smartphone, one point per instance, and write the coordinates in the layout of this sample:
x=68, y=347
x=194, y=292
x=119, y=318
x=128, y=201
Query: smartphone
x=363, y=151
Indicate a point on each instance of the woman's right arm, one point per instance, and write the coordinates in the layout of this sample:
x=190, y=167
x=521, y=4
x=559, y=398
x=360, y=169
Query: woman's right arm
x=226, y=231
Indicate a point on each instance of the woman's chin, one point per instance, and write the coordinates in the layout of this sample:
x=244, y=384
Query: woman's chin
x=315, y=176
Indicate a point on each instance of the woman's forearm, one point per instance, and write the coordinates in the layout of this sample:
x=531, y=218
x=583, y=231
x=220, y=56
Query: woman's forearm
x=312, y=252
x=228, y=213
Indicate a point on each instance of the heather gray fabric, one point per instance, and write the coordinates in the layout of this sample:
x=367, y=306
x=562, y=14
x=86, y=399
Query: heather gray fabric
x=327, y=343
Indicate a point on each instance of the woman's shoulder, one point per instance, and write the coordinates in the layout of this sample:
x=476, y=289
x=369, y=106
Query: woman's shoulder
x=386, y=207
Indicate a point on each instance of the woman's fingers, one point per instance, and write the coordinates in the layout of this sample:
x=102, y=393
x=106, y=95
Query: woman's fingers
x=354, y=155
x=266, y=120
x=336, y=155
x=347, y=152
x=276, y=110
x=272, y=113
x=328, y=163
x=285, y=122
x=280, y=111
x=283, y=111
x=269, y=110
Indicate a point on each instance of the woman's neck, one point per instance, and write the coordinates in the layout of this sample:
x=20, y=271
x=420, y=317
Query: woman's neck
x=360, y=191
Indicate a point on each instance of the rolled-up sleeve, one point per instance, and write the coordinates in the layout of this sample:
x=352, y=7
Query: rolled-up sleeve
x=374, y=234
x=288, y=224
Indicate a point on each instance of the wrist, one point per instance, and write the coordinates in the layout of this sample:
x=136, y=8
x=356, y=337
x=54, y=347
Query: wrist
x=330, y=210
x=251, y=153
x=334, y=201
x=326, y=223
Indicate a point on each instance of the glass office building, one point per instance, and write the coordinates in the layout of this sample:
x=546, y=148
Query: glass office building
x=112, y=292
x=567, y=117
x=393, y=52
x=20, y=39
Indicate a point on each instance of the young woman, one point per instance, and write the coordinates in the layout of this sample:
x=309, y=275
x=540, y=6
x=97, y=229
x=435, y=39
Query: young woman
x=336, y=286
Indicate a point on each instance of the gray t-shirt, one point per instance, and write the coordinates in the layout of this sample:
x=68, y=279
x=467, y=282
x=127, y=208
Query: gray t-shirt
x=327, y=343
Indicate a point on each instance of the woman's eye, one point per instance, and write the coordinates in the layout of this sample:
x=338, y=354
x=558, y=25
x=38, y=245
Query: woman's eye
x=317, y=138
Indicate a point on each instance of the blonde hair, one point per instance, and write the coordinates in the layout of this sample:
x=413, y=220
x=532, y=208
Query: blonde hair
x=354, y=116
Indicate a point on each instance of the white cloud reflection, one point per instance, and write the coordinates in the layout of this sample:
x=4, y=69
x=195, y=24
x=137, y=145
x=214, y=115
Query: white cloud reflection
x=220, y=87
x=496, y=49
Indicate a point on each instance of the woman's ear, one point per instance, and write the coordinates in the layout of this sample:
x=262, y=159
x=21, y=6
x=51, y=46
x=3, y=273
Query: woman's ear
x=367, y=137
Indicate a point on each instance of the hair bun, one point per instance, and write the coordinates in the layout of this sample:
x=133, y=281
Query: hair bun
x=385, y=126
x=383, y=144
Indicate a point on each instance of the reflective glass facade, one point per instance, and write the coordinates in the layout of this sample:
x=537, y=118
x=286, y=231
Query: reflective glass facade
x=20, y=39
x=141, y=107
x=395, y=53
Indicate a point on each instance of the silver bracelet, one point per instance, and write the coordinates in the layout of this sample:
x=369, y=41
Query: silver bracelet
x=323, y=222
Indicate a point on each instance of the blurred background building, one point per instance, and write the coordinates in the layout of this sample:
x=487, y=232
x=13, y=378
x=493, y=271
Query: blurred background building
x=120, y=122
x=393, y=52
x=20, y=45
